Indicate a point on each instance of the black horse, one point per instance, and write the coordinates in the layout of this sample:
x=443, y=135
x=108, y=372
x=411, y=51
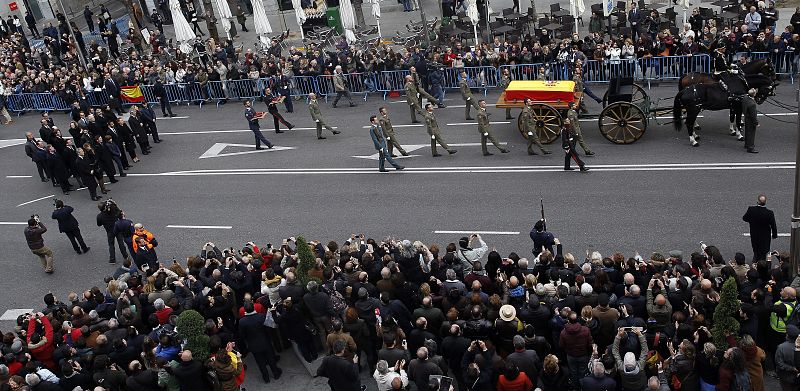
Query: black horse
x=698, y=97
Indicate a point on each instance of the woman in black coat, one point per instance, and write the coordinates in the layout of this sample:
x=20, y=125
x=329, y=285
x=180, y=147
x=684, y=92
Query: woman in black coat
x=128, y=139
x=91, y=159
x=58, y=169
x=555, y=376
x=292, y=324
x=105, y=158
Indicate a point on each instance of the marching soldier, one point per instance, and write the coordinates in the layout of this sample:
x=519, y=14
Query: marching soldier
x=388, y=133
x=568, y=144
x=421, y=91
x=485, y=130
x=466, y=93
x=505, y=80
x=572, y=115
x=340, y=87
x=380, y=145
x=434, y=132
x=316, y=115
x=528, y=122
x=412, y=98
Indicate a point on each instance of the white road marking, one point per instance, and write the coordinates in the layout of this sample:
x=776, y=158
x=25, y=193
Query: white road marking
x=175, y=117
x=399, y=126
x=477, y=232
x=12, y=223
x=13, y=314
x=12, y=142
x=414, y=147
x=780, y=234
x=216, y=150
x=475, y=123
x=19, y=176
x=38, y=199
x=231, y=131
x=201, y=226
x=406, y=101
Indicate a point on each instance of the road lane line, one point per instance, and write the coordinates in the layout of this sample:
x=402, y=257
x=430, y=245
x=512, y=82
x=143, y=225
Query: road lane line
x=14, y=313
x=38, y=199
x=201, y=226
x=12, y=223
x=19, y=176
x=780, y=234
x=175, y=117
x=477, y=232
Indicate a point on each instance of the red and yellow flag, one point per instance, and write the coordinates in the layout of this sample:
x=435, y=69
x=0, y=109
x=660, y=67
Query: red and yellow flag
x=131, y=94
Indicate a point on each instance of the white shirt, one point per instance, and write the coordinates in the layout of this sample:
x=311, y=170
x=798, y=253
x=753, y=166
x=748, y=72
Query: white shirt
x=384, y=381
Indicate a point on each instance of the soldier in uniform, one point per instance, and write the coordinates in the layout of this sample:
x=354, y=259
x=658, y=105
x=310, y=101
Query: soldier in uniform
x=572, y=115
x=466, y=93
x=316, y=115
x=412, y=97
x=388, y=133
x=434, y=132
x=486, y=131
x=505, y=80
x=340, y=87
x=568, y=144
x=421, y=91
x=533, y=138
x=252, y=121
x=580, y=86
x=380, y=144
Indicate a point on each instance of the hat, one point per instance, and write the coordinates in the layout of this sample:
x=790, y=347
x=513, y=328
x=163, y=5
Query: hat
x=463, y=242
x=16, y=346
x=792, y=331
x=508, y=312
x=629, y=361
x=676, y=254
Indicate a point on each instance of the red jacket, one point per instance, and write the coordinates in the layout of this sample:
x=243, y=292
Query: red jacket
x=521, y=383
x=44, y=352
x=163, y=315
x=576, y=340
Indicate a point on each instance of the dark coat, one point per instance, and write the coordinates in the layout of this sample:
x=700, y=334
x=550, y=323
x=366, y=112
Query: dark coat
x=66, y=221
x=342, y=373
x=592, y=383
x=762, y=222
x=190, y=375
x=84, y=168
x=253, y=333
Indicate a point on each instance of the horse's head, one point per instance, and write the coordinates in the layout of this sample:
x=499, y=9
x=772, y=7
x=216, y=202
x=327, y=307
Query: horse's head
x=764, y=92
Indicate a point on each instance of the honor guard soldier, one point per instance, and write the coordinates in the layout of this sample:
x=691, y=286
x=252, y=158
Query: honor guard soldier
x=505, y=80
x=412, y=98
x=388, y=133
x=576, y=129
x=434, y=132
x=528, y=122
x=486, y=131
x=568, y=144
x=466, y=93
x=316, y=115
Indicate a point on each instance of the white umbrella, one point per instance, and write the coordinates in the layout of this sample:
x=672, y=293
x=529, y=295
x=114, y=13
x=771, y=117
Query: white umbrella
x=225, y=14
x=472, y=13
x=376, y=12
x=299, y=15
x=348, y=19
x=260, y=20
x=685, y=5
x=183, y=31
x=577, y=7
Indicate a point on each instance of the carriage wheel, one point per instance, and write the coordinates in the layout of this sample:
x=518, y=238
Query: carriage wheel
x=637, y=96
x=622, y=123
x=546, y=123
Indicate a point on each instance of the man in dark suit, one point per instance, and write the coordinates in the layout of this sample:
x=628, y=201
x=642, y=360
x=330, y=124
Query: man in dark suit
x=86, y=174
x=255, y=337
x=46, y=131
x=635, y=17
x=762, y=227
x=112, y=89
x=341, y=372
x=148, y=117
x=161, y=93
x=34, y=152
x=68, y=224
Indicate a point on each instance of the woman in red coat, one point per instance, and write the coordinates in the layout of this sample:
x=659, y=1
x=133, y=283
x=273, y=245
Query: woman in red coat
x=41, y=346
x=514, y=380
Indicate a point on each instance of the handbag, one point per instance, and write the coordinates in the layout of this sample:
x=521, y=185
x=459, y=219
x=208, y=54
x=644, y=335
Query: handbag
x=269, y=321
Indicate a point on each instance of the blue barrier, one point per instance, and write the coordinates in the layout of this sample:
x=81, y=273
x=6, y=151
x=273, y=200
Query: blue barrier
x=302, y=86
x=785, y=63
x=356, y=83
x=477, y=77
x=390, y=81
x=244, y=89
x=527, y=71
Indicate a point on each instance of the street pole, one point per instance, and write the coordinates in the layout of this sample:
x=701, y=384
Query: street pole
x=72, y=34
x=424, y=26
x=795, y=243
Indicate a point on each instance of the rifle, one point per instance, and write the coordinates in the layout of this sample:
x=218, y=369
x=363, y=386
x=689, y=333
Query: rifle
x=544, y=223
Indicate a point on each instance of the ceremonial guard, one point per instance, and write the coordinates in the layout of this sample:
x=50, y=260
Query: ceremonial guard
x=505, y=80
x=572, y=115
x=252, y=121
x=340, y=87
x=466, y=93
x=434, y=132
x=412, y=98
x=486, y=131
x=528, y=122
x=388, y=133
x=568, y=144
x=316, y=115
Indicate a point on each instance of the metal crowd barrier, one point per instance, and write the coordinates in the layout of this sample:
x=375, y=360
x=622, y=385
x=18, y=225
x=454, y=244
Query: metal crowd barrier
x=302, y=86
x=244, y=89
x=484, y=77
x=785, y=63
x=356, y=83
x=391, y=81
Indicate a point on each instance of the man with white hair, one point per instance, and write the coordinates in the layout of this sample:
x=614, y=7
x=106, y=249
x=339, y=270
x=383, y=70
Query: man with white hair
x=598, y=381
x=386, y=378
x=340, y=87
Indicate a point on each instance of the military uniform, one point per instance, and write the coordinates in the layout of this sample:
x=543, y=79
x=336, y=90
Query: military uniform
x=576, y=131
x=504, y=83
x=422, y=93
x=380, y=145
x=412, y=98
x=435, y=133
x=568, y=144
x=469, y=101
x=533, y=138
x=252, y=122
x=341, y=89
x=316, y=115
x=388, y=133
x=486, y=133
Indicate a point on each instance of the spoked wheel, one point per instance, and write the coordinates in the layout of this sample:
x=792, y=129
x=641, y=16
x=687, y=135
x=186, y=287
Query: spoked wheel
x=546, y=123
x=622, y=123
x=638, y=96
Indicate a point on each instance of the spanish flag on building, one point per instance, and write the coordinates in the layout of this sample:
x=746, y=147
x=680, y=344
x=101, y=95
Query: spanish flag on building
x=131, y=94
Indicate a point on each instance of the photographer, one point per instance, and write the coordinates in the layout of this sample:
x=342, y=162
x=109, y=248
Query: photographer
x=69, y=226
x=107, y=218
x=33, y=235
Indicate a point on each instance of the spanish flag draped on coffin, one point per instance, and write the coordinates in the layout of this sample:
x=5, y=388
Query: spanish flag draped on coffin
x=131, y=94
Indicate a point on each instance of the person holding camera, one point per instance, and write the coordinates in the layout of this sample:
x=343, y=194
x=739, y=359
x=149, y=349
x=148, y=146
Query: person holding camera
x=68, y=224
x=33, y=235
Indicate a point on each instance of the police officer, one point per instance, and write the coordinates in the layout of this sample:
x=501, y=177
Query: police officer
x=750, y=115
x=388, y=133
x=486, y=131
x=252, y=121
x=572, y=115
x=528, y=122
x=568, y=144
x=434, y=132
x=272, y=100
x=340, y=87
x=380, y=145
x=781, y=312
x=412, y=98
x=316, y=115
x=505, y=80
x=68, y=224
x=466, y=94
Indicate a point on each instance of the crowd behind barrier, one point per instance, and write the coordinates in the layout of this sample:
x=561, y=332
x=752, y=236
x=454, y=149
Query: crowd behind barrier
x=483, y=78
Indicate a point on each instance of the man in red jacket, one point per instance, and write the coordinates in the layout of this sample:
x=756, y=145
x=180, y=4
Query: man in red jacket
x=576, y=340
x=41, y=346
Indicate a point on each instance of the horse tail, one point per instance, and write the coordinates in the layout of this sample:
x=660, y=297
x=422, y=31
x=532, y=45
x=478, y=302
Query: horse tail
x=677, y=112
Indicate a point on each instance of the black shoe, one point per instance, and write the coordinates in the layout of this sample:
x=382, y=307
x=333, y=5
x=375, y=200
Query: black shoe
x=590, y=153
x=321, y=138
x=291, y=127
x=383, y=170
x=442, y=106
x=404, y=154
x=452, y=151
x=66, y=192
x=86, y=250
x=353, y=105
x=751, y=150
x=126, y=168
x=546, y=152
x=413, y=122
x=270, y=146
x=77, y=250
x=259, y=148
x=45, y=180
x=278, y=131
x=334, y=105
x=114, y=181
x=277, y=375
x=112, y=261
x=157, y=141
x=470, y=118
x=532, y=153
x=504, y=151
x=437, y=154
x=584, y=169
x=171, y=115
x=97, y=198
x=399, y=168
x=569, y=169
x=123, y=174
x=509, y=117
x=336, y=132
x=487, y=154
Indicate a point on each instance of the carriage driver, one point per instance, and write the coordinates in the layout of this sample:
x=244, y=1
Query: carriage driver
x=724, y=71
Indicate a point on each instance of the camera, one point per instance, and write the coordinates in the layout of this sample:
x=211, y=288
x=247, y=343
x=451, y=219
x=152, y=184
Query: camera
x=56, y=201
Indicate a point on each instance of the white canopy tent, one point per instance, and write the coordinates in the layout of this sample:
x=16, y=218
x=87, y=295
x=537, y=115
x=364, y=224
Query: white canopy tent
x=225, y=15
x=183, y=31
x=348, y=19
x=261, y=22
x=300, y=16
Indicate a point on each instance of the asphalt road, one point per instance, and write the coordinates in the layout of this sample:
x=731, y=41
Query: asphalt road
x=658, y=194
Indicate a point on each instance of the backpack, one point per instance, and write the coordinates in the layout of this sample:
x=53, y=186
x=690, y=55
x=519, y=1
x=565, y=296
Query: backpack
x=338, y=303
x=213, y=380
x=794, y=318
